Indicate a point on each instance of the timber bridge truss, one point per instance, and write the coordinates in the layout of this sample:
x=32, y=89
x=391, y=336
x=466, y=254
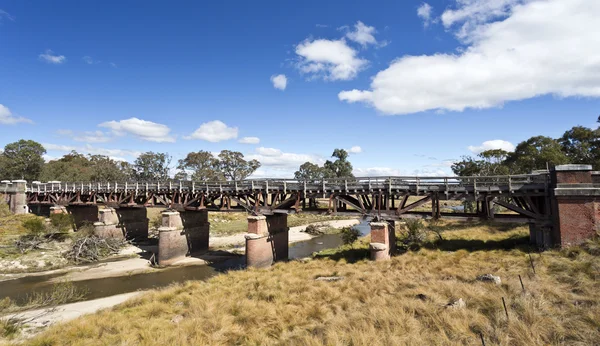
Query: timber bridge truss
x=526, y=197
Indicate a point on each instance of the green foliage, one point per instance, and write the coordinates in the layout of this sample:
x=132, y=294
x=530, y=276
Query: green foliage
x=414, y=234
x=349, y=235
x=61, y=222
x=78, y=167
x=341, y=167
x=309, y=171
x=233, y=166
x=582, y=145
x=152, y=166
x=202, y=165
x=22, y=160
x=535, y=153
x=34, y=225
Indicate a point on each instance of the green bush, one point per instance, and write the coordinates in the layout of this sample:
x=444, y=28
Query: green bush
x=350, y=235
x=415, y=234
x=62, y=222
x=34, y=225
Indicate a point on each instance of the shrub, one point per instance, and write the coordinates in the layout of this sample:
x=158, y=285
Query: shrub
x=34, y=225
x=414, y=235
x=62, y=222
x=4, y=208
x=350, y=235
x=313, y=230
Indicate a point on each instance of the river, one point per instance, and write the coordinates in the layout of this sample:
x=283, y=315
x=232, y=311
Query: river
x=19, y=290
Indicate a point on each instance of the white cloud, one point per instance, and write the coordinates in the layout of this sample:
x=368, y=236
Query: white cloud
x=143, y=129
x=362, y=34
x=472, y=13
x=279, y=81
x=51, y=58
x=112, y=64
x=8, y=118
x=115, y=154
x=271, y=157
x=249, y=140
x=387, y=171
x=214, y=131
x=92, y=137
x=541, y=48
x=355, y=150
x=4, y=14
x=424, y=12
x=89, y=60
x=330, y=60
x=491, y=145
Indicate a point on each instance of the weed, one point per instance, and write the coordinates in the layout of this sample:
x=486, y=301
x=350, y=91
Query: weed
x=349, y=235
x=34, y=225
x=61, y=222
x=60, y=293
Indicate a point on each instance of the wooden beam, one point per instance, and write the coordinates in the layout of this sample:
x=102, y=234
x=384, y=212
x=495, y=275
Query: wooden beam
x=518, y=210
x=413, y=205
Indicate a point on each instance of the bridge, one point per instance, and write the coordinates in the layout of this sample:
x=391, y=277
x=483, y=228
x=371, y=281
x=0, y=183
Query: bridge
x=560, y=205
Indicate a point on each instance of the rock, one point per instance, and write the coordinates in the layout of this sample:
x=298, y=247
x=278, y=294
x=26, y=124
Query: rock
x=457, y=304
x=176, y=319
x=330, y=278
x=490, y=278
x=422, y=297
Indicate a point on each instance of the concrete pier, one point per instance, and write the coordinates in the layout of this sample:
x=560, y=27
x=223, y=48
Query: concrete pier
x=107, y=225
x=267, y=240
x=15, y=194
x=383, y=240
x=133, y=222
x=182, y=234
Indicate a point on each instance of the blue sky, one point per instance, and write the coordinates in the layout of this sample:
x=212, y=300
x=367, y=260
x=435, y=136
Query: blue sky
x=410, y=85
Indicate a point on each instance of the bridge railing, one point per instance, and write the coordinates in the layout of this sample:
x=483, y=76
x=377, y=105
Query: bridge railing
x=289, y=185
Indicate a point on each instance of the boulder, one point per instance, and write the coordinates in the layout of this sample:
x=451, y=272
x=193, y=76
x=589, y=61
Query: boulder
x=490, y=278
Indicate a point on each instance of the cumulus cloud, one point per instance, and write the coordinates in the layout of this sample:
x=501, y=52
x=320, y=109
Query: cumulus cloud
x=51, y=58
x=279, y=81
x=271, y=157
x=249, y=140
x=329, y=59
x=115, y=154
x=355, y=150
x=214, y=131
x=540, y=48
x=491, y=145
x=143, y=129
x=8, y=118
x=362, y=34
x=424, y=12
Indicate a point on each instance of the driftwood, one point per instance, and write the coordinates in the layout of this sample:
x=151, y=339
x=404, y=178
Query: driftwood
x=93, y=248
x=34, y=242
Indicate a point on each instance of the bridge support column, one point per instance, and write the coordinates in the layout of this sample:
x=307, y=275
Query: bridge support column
x=133, y=222
x=108, y=224
x=267, y=240
x=383, y=240
x=576, y=205
x=181, y=234
x=16, y=195
x=83, y=214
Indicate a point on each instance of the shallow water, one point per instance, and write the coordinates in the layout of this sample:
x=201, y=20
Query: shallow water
x=18, y=290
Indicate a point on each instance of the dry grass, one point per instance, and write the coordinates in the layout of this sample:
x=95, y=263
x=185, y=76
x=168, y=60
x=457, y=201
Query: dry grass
x=398, y=302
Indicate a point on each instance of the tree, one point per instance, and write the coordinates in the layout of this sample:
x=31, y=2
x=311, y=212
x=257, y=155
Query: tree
x=581, y=145
x=22, y=160
x=535, y=153
x=202, y=165
x=309, y=172
x=233, y=166
x=467, y=167
x=71, y=167
x=152, y=166
x=341, y=167
x=103, y=168
x=493, y=162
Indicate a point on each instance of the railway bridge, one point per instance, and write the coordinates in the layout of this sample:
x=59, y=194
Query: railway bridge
x=561, y=206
